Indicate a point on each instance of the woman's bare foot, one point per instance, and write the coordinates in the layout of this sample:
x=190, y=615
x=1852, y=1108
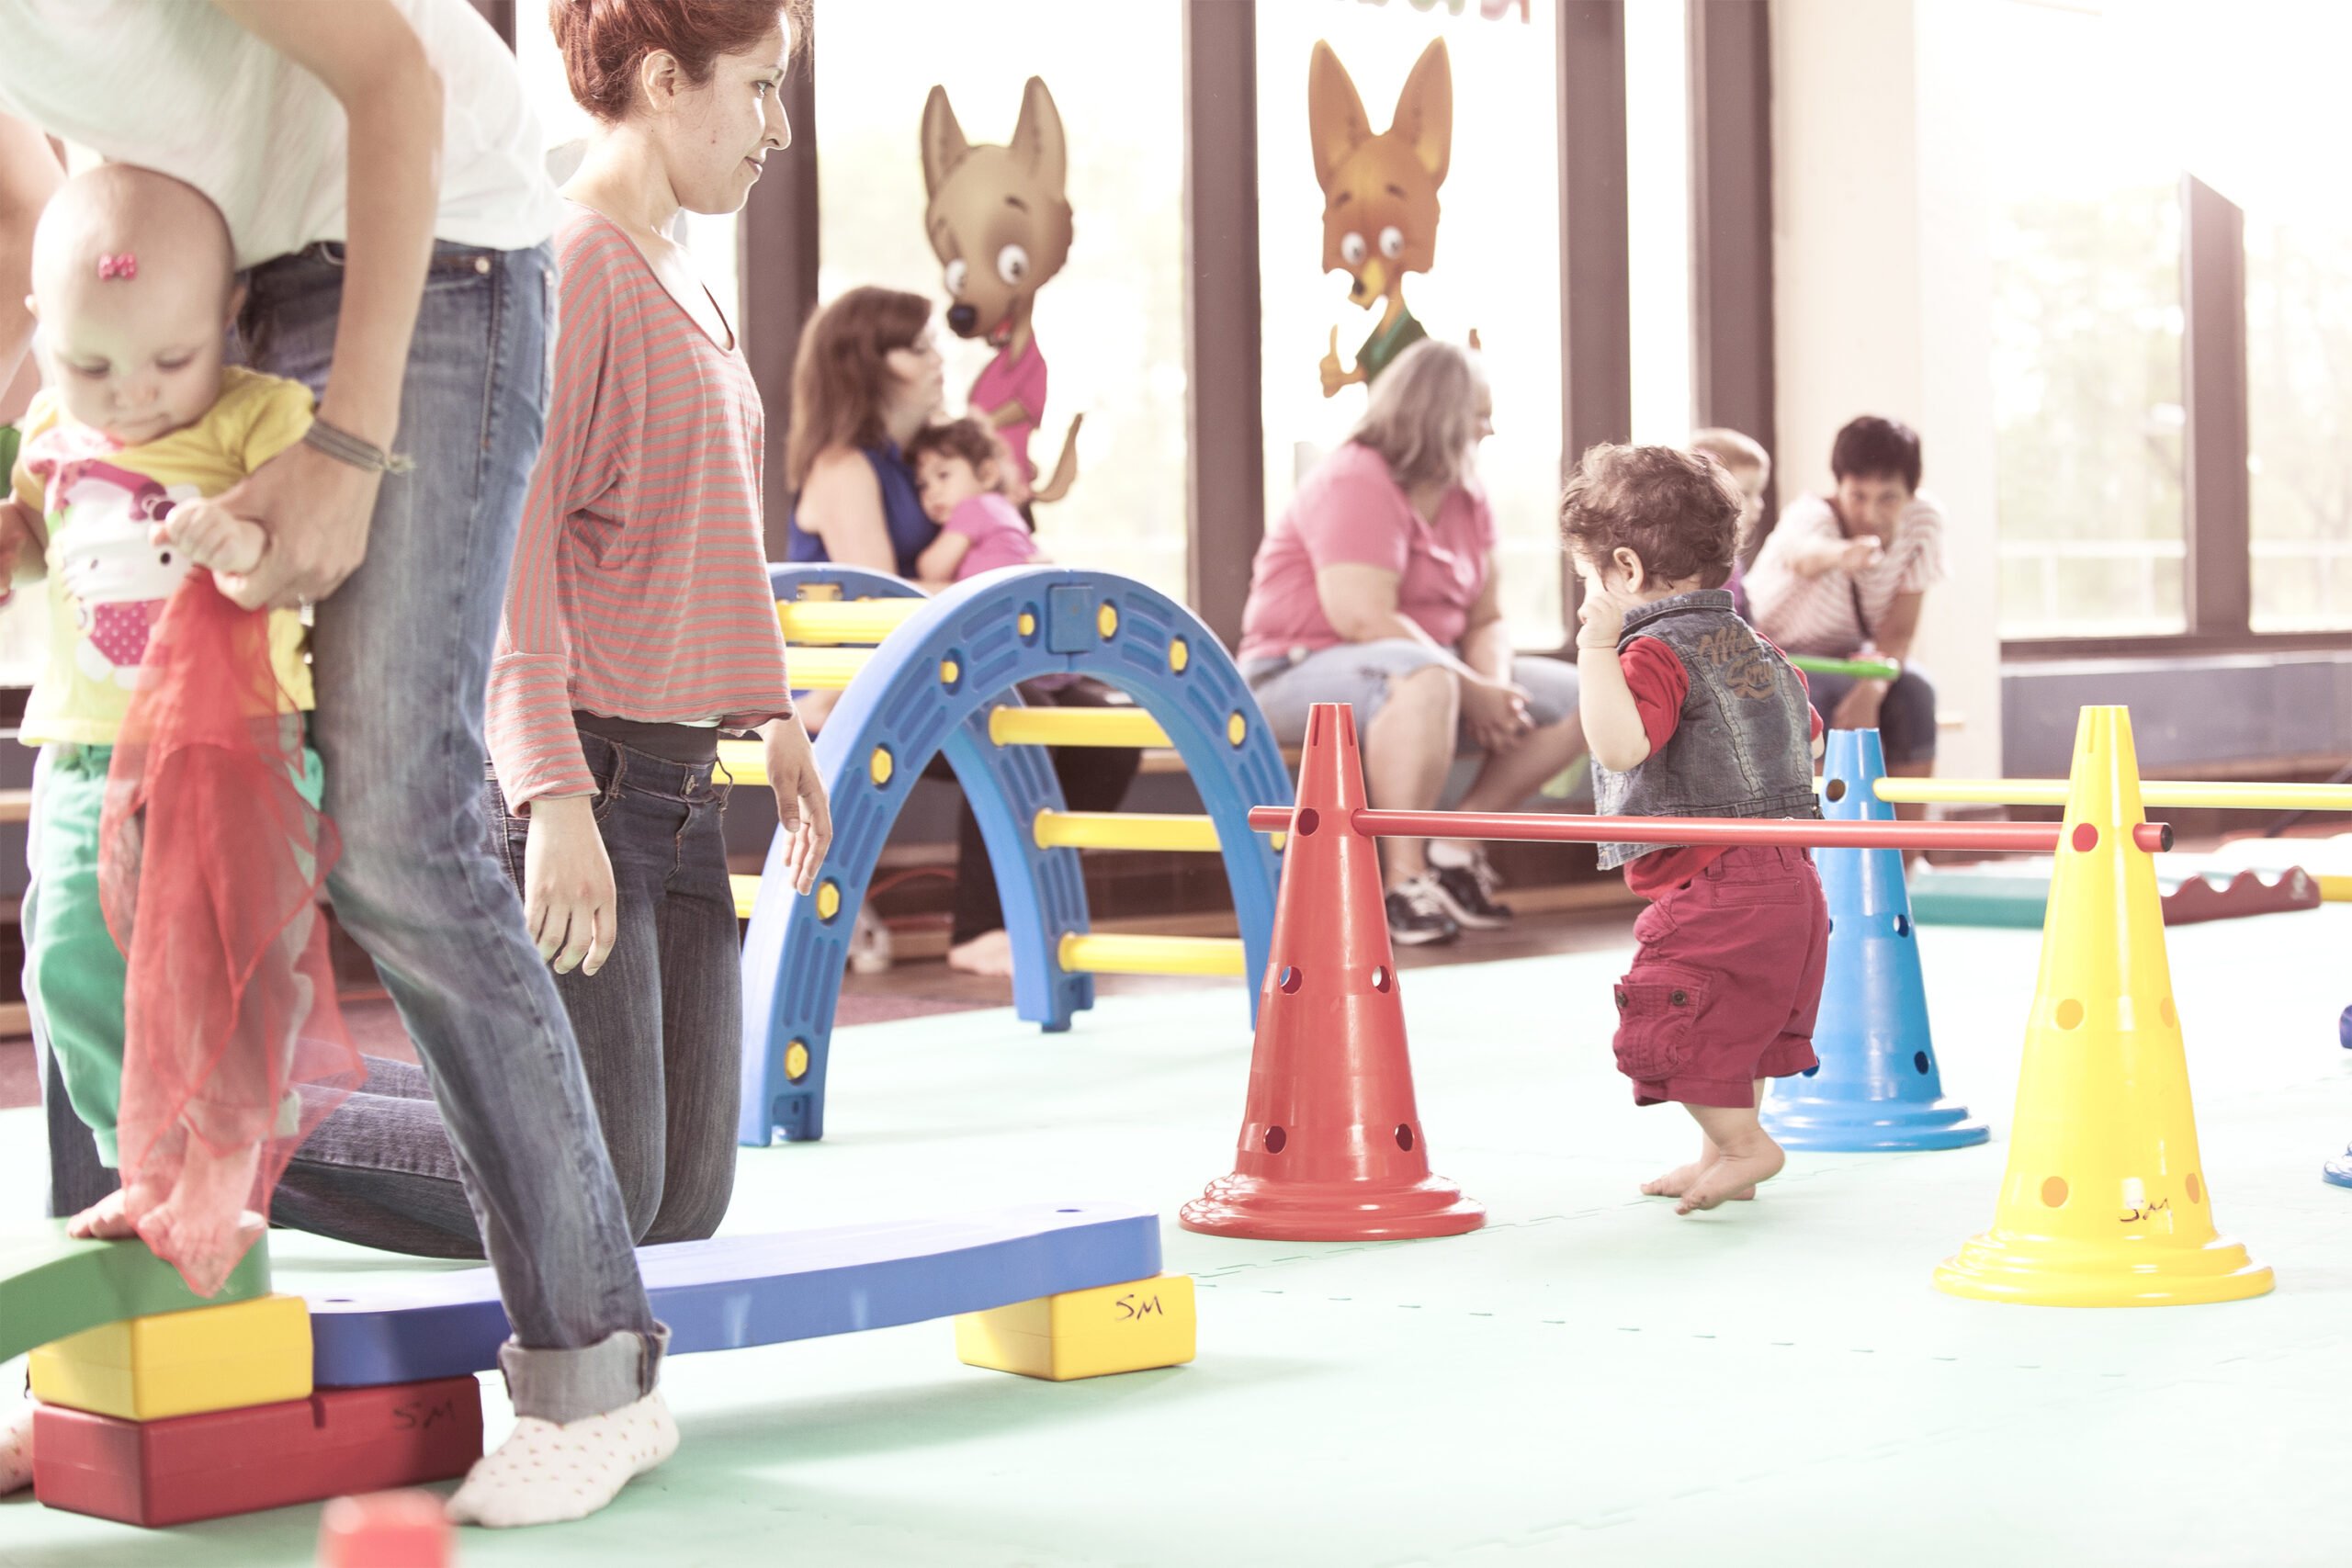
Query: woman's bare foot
x=106, y=1220
x=989, y=954
x=1734, y=1174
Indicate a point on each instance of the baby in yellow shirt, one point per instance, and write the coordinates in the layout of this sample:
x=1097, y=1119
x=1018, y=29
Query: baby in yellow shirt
x=141, y=420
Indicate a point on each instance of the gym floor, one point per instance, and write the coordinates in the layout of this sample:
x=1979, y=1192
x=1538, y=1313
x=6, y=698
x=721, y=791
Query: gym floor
x=1588, y=1380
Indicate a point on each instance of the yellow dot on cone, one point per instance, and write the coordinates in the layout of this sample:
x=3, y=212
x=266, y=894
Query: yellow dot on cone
x=829, y=900
x=2053, y=1191
x=1237, y=729
x=1106, y=620
x=1179, y=654
x=880, y=765
x=796, y=1061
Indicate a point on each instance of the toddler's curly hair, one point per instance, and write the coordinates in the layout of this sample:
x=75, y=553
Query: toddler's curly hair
x=969, y=438
x=1679, y=510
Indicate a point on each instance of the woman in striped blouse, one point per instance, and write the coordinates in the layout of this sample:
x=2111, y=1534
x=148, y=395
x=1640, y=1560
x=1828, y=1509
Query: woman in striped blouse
x=638, y=620
x=1845, y=576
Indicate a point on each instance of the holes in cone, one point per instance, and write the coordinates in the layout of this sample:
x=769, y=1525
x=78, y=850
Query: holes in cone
x=1289, y=978
x=2195, y=1189
x=1833, y=928
x=2085, y=837
x=1405, y=1138
x=1308, y=823
x=1813, y=1069
x=2054, y=1192
x=1835, y=789
x=2171, y=1015
x=1919, y=1060
x=2070, y=1014
x=1380, y=978
x=1275, y=1139
x=1902, y=925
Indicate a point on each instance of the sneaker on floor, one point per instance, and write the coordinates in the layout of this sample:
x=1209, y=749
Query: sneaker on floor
x=1467, y=892
x=1416, y=916
x=869, y=944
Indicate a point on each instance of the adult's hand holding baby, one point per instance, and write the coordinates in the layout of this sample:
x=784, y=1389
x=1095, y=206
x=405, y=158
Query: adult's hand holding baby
x=18, y=534
x=315, y=511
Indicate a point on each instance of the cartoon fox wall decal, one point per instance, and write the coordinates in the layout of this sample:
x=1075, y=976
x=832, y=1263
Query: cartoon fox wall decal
x=1379, y=205
x=1000, y=224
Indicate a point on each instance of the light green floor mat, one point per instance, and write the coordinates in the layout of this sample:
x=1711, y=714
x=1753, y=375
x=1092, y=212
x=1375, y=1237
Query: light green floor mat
x=1589, y=1379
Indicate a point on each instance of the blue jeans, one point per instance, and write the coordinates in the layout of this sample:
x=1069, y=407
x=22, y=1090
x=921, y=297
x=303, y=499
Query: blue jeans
x=1907, y=719
x=1362, y=674
x=401, y=657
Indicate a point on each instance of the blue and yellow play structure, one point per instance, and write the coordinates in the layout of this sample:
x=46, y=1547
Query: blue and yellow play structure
x=920, y=677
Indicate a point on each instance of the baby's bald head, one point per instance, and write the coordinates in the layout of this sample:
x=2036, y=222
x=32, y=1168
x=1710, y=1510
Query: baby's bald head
x=134, y=279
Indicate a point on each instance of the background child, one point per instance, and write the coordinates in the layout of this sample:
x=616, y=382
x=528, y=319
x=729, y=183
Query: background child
x=1750, y=467
x=1690, y=712
x=209, y=830
x=961, y=472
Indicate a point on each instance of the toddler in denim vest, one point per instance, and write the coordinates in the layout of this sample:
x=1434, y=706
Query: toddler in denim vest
x=1690, y=712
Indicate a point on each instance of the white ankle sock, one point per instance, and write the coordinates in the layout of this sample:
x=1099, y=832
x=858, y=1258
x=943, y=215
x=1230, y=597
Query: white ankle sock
x=544, y=1474
x=16, y=1447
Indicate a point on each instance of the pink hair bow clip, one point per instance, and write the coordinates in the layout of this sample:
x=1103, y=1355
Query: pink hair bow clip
x=125, y=266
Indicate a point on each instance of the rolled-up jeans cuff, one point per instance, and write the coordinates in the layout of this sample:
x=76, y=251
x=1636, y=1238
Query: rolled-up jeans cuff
x=571, y=1385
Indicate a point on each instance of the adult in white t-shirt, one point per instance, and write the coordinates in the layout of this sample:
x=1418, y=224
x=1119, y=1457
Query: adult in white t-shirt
x=1844, y=576
x=381, y=172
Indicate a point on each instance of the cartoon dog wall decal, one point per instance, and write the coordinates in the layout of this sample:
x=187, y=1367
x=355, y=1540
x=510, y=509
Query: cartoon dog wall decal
x=1379, y=195
x=1000, y=223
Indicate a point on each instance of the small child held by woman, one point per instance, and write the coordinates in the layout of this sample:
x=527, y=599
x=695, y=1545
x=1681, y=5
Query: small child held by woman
x=173, y=952
x=962, y=472
x=1690, y=712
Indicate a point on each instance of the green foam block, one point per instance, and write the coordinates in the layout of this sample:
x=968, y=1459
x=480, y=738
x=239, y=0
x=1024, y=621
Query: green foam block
x=51, y=1285
x=1972, y=899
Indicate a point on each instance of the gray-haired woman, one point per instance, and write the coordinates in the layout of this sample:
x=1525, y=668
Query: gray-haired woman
x=1377, y=587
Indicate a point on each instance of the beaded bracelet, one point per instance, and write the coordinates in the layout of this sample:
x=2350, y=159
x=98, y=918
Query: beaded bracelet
x=346, y=447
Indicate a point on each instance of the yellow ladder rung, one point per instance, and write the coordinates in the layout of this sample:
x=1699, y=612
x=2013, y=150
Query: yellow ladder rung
x=1123, y=831
x=823, y=668
x=1097, y=954
x=747, y=893
x=1075, y=727
x=744, y=761
x=844, y=620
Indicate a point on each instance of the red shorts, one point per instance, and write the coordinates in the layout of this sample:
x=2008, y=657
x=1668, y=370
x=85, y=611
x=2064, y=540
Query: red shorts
x=1724, y=987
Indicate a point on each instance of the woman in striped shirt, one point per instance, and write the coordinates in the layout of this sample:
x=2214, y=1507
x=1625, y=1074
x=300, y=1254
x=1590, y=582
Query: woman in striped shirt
x=1845, y=575
x=638, y=620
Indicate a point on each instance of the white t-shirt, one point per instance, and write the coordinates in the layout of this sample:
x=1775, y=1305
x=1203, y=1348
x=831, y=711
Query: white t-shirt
x=1815, y=615
x=177, y=87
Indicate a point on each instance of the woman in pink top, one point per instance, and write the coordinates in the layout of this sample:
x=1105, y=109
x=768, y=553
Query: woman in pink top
x=639, y=625
x=1376, y=587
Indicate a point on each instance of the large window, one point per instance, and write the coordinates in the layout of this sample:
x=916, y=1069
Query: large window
x=1497, y=266
x=1112, y=324
x=2086, y=366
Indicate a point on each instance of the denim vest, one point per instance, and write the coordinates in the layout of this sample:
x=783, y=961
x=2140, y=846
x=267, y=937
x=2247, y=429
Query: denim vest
x=1744, y=747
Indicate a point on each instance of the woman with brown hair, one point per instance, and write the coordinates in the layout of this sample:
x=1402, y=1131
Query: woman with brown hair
x=869, y=377
x=1378, y=588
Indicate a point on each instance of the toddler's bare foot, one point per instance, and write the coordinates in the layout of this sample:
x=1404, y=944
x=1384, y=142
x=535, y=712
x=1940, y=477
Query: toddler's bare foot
x=1679, y=1180
x=989, y=954
x=106, y=1220
x=203, y=1228
x=1733, y=1175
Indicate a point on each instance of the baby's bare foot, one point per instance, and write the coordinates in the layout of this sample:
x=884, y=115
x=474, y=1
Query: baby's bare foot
x=1679, y=1180
x=106, y=1220
x=1734, y=1176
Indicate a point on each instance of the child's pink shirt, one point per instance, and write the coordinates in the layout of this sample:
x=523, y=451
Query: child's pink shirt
x=998, y=537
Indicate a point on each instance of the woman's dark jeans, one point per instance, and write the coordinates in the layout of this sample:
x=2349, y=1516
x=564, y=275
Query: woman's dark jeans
x=1907, y=719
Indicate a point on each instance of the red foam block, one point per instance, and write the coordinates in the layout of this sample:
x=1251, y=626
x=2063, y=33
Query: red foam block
x=268, y=1455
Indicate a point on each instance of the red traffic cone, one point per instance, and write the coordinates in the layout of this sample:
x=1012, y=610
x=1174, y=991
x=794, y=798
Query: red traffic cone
x=385, y=1529
x=1332, y=1146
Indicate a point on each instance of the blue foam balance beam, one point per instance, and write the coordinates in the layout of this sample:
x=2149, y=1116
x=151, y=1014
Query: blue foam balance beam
x=733, y=1292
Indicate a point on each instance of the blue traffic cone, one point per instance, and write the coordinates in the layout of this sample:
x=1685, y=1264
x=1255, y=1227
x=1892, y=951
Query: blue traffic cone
x=1877, y=1087
x=2338, y=1171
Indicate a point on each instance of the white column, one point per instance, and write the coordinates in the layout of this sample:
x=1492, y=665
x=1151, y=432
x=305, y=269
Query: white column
x=1881, y=279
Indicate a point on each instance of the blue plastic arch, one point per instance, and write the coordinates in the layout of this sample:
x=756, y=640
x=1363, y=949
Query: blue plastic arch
x=927, y=689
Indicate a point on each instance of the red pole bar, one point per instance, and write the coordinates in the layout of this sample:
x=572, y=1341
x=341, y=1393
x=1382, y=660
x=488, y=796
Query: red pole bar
x=2009, y=838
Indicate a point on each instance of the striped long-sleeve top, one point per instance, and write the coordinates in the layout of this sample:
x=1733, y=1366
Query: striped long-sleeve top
x=639, y=587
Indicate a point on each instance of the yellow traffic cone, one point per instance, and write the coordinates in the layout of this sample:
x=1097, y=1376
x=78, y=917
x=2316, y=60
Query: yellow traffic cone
x=2105, y=1201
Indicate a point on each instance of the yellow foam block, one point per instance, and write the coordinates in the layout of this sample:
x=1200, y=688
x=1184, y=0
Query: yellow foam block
x=1085, y=1333
x=182, y=1363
